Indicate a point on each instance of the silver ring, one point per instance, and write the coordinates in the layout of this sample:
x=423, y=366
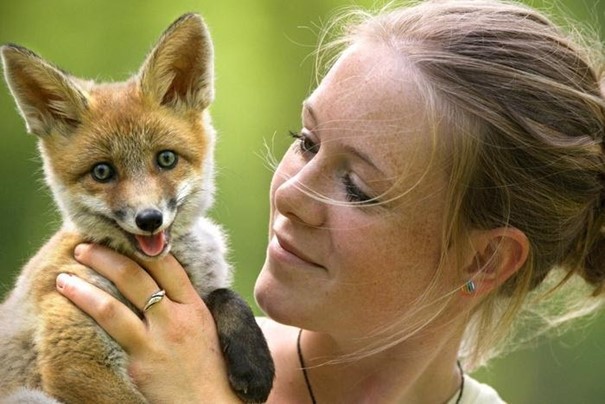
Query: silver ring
x=154, y=298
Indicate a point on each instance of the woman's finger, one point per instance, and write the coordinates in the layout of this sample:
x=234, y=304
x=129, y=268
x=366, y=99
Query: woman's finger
x=130, y=279
x=112, y=315
x=170, y=275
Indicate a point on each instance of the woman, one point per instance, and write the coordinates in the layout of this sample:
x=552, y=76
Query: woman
x=449, y=171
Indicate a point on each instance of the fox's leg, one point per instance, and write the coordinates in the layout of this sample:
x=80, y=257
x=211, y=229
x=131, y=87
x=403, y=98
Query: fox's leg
x=78, y=361
x=249, y=361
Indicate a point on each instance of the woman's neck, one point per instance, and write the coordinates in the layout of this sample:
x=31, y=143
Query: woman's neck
x=421, y=369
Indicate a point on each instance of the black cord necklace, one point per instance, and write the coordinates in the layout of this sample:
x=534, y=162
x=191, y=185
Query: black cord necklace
x=461, y=382
x=304, y=368
x=308, y=382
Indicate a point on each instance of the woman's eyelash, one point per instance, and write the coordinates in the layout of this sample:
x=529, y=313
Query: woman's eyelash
x=354, y=193
x=306, y=145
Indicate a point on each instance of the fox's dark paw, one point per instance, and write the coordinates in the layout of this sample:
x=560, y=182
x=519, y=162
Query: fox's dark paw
x=246, y=353
x=250, y=371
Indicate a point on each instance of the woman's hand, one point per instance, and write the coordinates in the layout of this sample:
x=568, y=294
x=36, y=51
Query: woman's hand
x=174, y=351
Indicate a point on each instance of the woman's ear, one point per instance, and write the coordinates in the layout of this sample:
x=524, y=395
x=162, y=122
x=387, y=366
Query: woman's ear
x=496, y=255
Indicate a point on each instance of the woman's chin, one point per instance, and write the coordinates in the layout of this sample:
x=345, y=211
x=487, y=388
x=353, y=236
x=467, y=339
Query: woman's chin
x=276, y=301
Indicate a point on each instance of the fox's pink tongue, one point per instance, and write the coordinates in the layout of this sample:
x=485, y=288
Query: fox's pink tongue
x=152, y=245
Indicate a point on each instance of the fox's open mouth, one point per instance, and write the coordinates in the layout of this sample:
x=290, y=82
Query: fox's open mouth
x=151, y=245
x=148, y=245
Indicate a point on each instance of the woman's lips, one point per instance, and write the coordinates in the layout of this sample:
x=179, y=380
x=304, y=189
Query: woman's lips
x=288, y=248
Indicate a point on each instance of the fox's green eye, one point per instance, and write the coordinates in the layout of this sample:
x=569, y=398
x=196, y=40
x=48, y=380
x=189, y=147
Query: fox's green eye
x=167, y=159
x=102, y=172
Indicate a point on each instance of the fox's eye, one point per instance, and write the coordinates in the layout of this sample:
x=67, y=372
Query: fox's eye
x=167, y=159
x=103, y=172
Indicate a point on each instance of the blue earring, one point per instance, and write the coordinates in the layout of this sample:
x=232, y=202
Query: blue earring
x=469, y=288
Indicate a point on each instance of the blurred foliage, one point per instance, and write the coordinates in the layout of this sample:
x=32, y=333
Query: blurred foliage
x=264, y=71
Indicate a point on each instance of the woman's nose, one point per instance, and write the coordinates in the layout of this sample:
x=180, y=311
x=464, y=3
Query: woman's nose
x=299, y=196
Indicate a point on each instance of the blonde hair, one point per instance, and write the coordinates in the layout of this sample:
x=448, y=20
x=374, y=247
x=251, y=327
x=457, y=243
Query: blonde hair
x=519, y=101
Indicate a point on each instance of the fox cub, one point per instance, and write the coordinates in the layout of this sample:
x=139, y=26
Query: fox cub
x=131, y=167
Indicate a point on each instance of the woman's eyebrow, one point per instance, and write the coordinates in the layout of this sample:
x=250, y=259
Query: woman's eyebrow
x=308, y=111
x=363, y=157
x=310, y=114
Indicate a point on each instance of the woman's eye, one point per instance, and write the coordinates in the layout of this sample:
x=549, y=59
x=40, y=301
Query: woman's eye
x=354, y=194
x=167, y=159
x=305, y=144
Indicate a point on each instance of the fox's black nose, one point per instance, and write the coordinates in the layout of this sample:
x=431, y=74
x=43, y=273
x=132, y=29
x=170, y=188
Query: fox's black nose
x=149, y=220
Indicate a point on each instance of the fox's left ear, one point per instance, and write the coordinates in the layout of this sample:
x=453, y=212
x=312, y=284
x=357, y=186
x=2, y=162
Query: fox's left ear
x=179, y=71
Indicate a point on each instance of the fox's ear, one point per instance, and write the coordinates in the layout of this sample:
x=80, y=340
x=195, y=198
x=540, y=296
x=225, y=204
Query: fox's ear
x=47, y=98
x=179, y=71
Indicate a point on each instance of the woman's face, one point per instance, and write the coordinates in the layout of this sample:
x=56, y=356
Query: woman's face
x=338, y=267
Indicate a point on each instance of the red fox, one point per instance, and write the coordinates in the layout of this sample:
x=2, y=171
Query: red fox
x=130, y=166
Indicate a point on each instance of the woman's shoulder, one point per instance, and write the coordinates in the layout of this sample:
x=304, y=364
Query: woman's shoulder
x=475, y=392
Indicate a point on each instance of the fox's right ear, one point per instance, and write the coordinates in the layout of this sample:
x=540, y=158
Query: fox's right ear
x=47, y=98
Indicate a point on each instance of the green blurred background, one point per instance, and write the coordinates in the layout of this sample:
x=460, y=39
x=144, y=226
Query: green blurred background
x=264, y=71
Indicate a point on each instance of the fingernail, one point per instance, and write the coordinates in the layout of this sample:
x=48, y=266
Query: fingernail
x=61, y=280
x=78, y=250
